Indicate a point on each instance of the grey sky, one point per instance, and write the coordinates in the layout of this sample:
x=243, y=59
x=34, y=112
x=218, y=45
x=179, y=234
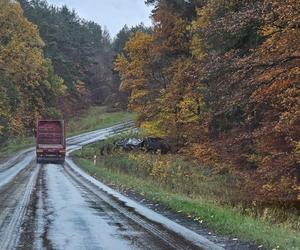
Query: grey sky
x=112, y=14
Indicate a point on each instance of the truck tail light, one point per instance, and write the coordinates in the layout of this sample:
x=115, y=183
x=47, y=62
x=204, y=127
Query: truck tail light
x=62, y=151
x=40, y=151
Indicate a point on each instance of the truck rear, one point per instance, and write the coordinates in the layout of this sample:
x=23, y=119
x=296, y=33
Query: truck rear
x=50, y=141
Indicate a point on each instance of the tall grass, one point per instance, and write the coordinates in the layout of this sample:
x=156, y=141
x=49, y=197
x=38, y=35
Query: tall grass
x=181, y=184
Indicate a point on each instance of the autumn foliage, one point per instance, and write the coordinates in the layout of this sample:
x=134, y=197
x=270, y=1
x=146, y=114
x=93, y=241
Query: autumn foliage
x=221, y=80
x=29, y=87
x=53, y=64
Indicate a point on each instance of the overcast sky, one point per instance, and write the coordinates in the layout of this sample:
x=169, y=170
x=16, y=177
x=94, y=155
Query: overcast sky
x=112, y=14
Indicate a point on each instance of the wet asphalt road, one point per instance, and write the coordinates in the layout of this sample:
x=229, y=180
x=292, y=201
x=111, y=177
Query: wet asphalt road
x=60, y=207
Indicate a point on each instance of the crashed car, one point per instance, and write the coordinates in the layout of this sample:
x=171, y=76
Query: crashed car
x=129, y=144
x=154, y=144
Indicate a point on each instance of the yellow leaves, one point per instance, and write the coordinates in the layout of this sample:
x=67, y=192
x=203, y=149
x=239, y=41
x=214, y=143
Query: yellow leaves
x=197, y=48
x=137, y=94
x=163, y=168
x=17, y=124
x=171, y=31
x=21, y=52
x=121, y=63
x=23, y=64
x=269, y=30
x=280, y=28
x=137, y=74
x=133, y=66
x=188, y=110
x=1, y=129
x=153, y=128
x=197, y=44
x=158, y=170
x=138, y=47
x=203, y=18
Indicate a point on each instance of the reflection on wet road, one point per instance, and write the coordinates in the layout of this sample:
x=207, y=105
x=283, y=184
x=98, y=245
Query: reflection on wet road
x=60, y=207
x=75, y=218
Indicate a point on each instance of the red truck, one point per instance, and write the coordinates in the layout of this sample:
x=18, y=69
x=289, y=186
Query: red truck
x=51, y=141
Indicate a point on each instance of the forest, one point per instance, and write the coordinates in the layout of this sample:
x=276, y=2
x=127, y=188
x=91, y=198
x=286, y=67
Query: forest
x=54, y=64
x=218, y=79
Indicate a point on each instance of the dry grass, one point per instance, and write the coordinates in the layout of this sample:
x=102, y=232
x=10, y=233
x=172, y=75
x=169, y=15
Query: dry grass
x=198, y=192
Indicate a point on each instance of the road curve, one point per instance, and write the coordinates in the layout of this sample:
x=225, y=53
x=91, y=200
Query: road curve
x=61, y=207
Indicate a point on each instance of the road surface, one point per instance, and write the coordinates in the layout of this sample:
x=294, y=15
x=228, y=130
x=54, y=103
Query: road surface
x=48, y=206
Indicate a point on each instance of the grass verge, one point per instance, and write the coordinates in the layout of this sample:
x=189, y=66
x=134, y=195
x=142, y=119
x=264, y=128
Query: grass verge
x=15, y=145
x=223, y=219
x=94, y=118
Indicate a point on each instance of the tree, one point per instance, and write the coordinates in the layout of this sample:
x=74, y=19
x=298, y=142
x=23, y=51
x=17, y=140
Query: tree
x=135, y=67
x=4, y=116
x=223, y=77
x=27, y=82
x=80, y=51
x=121, y=97
x=161, y=78
x=276, y=95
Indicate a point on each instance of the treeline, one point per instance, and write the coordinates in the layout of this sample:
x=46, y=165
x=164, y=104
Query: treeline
x=53, y=64
x=221, y=79
x=80, y=52
x=29, y=88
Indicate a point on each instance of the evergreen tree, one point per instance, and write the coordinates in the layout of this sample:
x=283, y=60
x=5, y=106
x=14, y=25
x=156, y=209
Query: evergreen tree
x=80, y=51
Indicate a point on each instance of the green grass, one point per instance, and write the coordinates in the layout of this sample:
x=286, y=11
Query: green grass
x=223, y=219
x=15, y=145
x=96, y=117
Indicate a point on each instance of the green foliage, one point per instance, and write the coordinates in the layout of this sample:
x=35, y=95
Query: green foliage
x=125, y=34
x=80, y=51
x=14, y=145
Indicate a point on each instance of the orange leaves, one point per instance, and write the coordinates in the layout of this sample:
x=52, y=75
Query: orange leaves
x=139, y=76
x=134, y=66
x=225, y=85
x=171, y=31
x=204, y=152
x=138, y=46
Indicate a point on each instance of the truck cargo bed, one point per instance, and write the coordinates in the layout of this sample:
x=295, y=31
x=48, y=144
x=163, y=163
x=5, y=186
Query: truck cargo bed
x=50, y=141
